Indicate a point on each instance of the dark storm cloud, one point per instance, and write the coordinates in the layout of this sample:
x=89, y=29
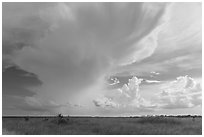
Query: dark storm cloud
x=18, y=30
x=16, y=81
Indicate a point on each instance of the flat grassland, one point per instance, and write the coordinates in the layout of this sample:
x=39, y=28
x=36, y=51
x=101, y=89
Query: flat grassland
x=102, y=126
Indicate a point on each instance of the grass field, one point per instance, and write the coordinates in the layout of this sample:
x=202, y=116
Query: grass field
x=103, y=126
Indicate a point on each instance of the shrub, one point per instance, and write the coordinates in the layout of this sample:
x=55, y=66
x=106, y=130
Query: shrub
x=61, y=119
x=60, y=116
x=26, y=118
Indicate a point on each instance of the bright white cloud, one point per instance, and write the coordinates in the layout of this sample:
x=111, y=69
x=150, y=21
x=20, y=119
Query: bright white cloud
x=115, y=81
x=184, y=92
x=127, y=97
x=152, y=81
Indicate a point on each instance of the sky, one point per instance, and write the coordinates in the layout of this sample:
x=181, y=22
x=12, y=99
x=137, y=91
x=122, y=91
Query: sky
x=101, y=59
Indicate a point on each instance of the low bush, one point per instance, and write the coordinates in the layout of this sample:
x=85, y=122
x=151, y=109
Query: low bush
x=26, y=118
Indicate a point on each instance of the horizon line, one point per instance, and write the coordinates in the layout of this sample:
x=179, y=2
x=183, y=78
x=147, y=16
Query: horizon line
x=95, y=116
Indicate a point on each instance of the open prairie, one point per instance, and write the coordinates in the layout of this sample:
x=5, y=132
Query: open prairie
x=102, y=126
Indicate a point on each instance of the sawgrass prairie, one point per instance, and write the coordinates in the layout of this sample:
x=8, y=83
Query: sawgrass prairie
x=103, y=126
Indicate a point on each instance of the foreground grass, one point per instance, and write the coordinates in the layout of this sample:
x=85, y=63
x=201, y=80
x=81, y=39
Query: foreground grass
x=104, y=126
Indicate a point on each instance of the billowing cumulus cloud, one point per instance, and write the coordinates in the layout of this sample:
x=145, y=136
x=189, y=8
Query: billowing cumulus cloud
x=184, y=92
x=127, y=97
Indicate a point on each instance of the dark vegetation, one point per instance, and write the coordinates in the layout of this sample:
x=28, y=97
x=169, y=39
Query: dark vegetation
x=159, y=120
x=148, y=125
x=26, y=118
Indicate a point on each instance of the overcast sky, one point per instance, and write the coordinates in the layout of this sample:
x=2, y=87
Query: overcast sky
x=107, y=59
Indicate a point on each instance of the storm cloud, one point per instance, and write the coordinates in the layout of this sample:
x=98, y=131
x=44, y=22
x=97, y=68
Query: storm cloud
x=72, y=48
